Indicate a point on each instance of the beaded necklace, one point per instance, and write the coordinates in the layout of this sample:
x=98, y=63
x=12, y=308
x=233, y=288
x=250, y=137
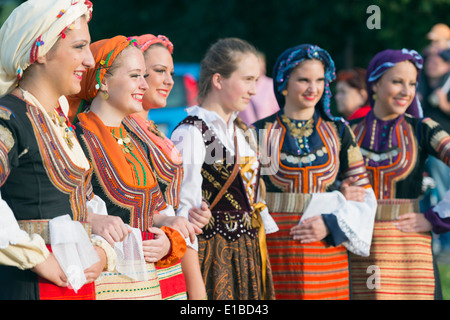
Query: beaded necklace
x=61, y=122
x=127, y=148
x=58, y=118
x=300, y=131
x=383, y=156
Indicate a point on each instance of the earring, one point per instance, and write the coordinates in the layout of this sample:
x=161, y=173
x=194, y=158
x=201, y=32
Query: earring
x=104, y=95
x=284, y=92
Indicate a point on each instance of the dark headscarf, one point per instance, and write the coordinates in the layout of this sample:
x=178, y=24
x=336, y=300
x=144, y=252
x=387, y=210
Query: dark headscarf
x=387, y=59
x=289, y=59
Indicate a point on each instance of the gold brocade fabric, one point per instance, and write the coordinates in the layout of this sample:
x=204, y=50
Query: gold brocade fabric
x=249, y=175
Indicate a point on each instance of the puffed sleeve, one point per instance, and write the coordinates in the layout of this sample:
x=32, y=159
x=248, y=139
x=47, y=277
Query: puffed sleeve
x=189, y=142
x=439, y=215
x=178, y=247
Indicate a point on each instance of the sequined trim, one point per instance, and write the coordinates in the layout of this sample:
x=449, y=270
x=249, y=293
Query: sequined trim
x=380, y=156
x=306, y=159
x=310, y=178
x=230, y=224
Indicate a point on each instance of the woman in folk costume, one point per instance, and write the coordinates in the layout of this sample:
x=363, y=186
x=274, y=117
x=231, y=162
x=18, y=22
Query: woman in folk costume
x=221, y=166
x=123, y=176
x=306, y=151
x=44, y=174
x=167, y=164
x=395, y=141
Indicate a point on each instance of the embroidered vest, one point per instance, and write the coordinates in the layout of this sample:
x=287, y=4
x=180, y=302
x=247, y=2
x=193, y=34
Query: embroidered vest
x=305, y=178
x=386, y=169
x=63, y=173
x=231, y=217
x=140, y=202
x=168, y=171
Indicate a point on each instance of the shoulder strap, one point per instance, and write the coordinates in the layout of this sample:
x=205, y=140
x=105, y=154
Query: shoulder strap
x=232, y=175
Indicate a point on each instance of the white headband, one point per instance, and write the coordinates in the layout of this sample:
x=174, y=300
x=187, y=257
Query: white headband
x=31, y=31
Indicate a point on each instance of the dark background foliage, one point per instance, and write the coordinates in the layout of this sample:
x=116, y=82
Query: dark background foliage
x=339, y=26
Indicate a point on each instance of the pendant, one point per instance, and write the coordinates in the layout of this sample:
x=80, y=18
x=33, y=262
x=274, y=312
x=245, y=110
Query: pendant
x=126, y=140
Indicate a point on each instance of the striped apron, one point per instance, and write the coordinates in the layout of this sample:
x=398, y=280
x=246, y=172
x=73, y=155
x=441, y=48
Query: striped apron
x=303, y=271
x=400, y=265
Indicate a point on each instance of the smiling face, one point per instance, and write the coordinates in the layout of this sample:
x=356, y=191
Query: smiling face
x=305, y=86
x=236, y=90
x=126, y=84
x=160, y=70
x=66, y=63
x=395, y=91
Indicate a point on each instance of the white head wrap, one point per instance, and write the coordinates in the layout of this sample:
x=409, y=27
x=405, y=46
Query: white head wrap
x=31, y=31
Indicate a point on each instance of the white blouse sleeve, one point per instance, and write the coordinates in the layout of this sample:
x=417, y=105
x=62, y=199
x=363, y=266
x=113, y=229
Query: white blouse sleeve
x=17, y=248
x=189, y=142
x=356, y=219
x=10, y=232
x=97, y=205
x=443, y=207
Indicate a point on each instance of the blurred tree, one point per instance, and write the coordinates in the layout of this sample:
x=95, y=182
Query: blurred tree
x=273, y=25
x=6, y=7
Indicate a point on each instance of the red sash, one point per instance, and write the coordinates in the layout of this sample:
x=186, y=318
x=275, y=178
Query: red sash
x=50, y=291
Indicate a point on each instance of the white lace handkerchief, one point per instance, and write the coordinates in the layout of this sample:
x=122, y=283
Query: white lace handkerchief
x=72, y=249
x=130, y=256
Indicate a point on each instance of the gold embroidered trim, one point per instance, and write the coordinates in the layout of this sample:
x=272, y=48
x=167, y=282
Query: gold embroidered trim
x=430, y=123
x=354, y=155
x=437, y=138
x=6, y=137
x=218, y=186
x=5, y=114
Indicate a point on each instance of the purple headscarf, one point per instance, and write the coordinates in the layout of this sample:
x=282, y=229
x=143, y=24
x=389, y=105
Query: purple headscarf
x=387, y=59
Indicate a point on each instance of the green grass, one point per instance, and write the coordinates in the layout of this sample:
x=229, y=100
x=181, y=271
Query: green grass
x=444, y=272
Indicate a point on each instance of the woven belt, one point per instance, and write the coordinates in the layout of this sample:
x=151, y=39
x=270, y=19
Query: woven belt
x=287, y=202
x=41, y=227
x=391, y=209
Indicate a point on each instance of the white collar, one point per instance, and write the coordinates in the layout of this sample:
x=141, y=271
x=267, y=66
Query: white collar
x=213, y=119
